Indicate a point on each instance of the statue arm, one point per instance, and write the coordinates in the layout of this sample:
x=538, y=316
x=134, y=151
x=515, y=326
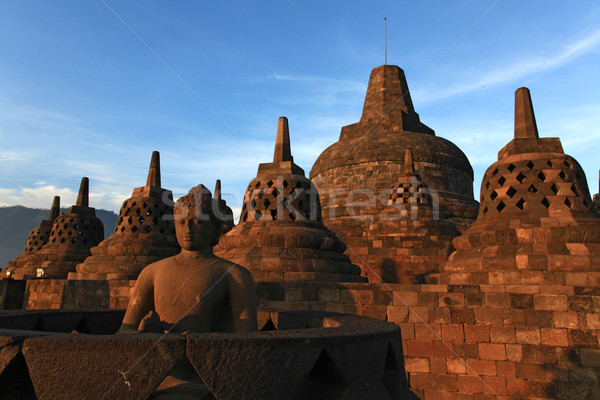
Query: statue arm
x=242, y=297
x=141, y=302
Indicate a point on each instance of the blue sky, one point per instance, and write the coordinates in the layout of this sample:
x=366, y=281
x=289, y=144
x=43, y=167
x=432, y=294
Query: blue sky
x=91, y=88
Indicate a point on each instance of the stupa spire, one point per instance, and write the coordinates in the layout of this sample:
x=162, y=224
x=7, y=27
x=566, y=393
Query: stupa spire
x=217, y=193
x=283, y=151
x=525, y=125
x=154, y=171
x=83, y=199
x=55, y=210
x=409, y=165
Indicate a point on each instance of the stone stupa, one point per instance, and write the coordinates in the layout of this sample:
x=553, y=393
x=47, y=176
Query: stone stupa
x=225, y=212
x=144, y=233
x=38, y=237
x=73, y=235
x=536, y=221
x=353, y=174
x=409, y=238
x=280, y=236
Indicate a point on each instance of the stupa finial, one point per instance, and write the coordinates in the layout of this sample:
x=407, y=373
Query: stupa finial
x=525, y=125
x=83, y=199
x=55, y=210
x=154, y=171
x=217, y=193
x=283, y=151
x=409, y=165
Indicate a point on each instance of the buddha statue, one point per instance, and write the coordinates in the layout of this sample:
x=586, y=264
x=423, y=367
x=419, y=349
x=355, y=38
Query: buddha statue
x=193, y=291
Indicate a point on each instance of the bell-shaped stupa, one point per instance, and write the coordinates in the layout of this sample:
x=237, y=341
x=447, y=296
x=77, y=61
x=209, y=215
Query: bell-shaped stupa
x=409, y=238
x=38, y=237
x=73, y=235
x=536, y=219
x=280, y=236
x=353, y=174
x=144, y=233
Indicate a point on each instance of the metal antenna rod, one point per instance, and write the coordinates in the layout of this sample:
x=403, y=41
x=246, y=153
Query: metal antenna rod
x=385, y=35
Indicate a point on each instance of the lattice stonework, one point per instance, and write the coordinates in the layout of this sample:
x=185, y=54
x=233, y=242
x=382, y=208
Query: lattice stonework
x=145, y=217
x=71, y=230
x=410, y=193
x=538, y=185
x=37, y=239
x=294, y=197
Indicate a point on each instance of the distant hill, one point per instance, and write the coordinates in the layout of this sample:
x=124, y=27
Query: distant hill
x=17, y=221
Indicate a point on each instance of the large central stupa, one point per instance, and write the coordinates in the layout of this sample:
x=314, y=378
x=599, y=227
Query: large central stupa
x=354, y=174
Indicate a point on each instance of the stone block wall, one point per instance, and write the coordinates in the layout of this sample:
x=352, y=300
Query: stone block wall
x=475, y=341
x=74, y=294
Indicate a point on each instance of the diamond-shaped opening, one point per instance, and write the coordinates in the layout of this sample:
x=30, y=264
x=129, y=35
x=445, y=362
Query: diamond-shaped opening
x=133, y=204
x=493, y=195
x=134, y=228
x=148, y=212
x=138, y=211
x=122, y=229
x=532, y=189
x=545, y=202
x=285, y=183
x=62, y=240
x=501, y=180
x=129, y=220
x=530, y=164
x=260, y=194
x=292, y=215
x=549, y=163
x=275, y=192
x=521, y=177
x=270, y=183
x=511, y=192
x=141, y=219
x=487, y=185
x=566, y=163
x=574, y=190
x=74, y=240
x=500, y=206
x=253, y=203
x=257, y=215
x=541, y=176
x=257, y=184
x=144, y=204
x=495, y=171
x=568, y=203
x=520, y=204
x=69, y=233
x=148, y=228
x=155, y=220
x=267, y=203
x=554, y=188
x=511, y=167
x=562, y=175
x=274, y=214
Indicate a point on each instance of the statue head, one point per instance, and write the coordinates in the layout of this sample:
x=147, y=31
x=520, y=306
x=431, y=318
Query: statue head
x=197, y=226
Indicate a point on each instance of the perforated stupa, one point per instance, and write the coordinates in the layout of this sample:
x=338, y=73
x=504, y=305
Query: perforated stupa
x=409, y=238
x=536, y=219
x=73, y=235
x=144, y=233
x=38, y=237
x=280, y=236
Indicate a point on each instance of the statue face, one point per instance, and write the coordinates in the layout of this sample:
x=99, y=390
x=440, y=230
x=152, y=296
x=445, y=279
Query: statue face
x=193, y=233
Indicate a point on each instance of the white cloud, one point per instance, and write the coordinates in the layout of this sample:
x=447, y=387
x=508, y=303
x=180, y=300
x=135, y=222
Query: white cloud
x=523, y=66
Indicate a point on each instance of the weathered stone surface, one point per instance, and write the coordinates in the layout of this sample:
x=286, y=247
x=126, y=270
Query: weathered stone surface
x=144, y=233
x=109, y=367
x=354, y=173
x=281, y=235
x=536, y=214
